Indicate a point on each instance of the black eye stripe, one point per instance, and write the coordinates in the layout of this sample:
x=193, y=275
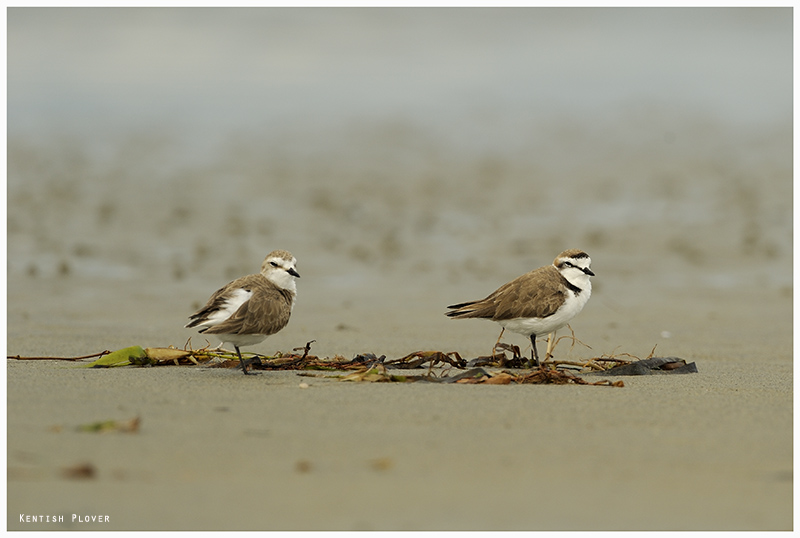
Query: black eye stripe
x=566, y=263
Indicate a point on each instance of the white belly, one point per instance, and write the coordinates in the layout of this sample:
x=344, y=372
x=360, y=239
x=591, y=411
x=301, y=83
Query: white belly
x=242, y=339
x=543, y=326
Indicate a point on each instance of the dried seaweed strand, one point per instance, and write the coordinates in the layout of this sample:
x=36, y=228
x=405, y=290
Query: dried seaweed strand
x=20, y=358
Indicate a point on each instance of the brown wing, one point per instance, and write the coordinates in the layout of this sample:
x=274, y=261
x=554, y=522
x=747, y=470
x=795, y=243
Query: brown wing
x=537, y=293
x=267, y=310
x=219, y=298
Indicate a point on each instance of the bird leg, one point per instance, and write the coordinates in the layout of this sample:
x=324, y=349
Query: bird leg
x=534, y=362
x=241, y=361
x=498, y=341
x=551, y=343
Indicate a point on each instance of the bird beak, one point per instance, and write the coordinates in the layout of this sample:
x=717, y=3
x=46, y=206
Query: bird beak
x=588, y=272
x=293, y=272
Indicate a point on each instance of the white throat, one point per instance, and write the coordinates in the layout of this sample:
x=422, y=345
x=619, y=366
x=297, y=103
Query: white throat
x=282, y=279
x=578, y=278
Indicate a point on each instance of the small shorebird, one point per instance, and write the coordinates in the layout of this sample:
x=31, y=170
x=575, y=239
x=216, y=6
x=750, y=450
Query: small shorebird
x=247, y=310
x=539, y=302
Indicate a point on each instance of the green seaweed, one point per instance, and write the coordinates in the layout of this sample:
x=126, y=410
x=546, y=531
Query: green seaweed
x=121, y=357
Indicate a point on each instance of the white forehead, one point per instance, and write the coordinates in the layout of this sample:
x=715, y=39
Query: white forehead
x=283, y=260
x=280, y=258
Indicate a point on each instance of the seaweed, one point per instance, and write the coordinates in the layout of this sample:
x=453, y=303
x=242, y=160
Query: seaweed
x=103, y=426
x=432, y=358
x=651, y=366
x=372, y=368
x=476, y=376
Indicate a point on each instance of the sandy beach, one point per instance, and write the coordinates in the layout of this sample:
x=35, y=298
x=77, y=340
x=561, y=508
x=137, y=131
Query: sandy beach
x=217, y=450
x=400, y=194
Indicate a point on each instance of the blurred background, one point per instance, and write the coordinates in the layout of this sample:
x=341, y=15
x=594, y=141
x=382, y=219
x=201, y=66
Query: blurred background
x=409, y=159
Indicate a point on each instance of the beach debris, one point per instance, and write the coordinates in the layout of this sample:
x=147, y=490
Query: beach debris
x=80, y=471
x=381, y=464
x=500, y=360
x=368, y=359
x=652, y=366
x=432, y=358
x=161, y=355
x=373, y=368
x=121, y=357
x=150, y=356
x=93, y=355
x=303, y=466
x=541, y=376
x=103, y=426
x=466, y=377
x=378, y=374
x=304, y=361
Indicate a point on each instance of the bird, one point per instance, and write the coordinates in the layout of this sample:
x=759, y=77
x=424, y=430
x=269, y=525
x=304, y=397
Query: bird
x=251, y=308
x=537, y=303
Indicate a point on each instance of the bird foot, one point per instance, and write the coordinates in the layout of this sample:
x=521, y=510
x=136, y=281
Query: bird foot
x=246, y=364
x=533, y=363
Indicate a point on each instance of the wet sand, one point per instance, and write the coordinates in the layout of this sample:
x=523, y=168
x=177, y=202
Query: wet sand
x=217, y=450
x=400, y=192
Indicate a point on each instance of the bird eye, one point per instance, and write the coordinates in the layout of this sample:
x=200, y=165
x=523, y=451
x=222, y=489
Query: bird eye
x=273, y=264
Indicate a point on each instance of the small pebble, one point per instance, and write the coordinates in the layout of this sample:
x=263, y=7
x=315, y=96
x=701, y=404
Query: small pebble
x=302, y=466
x=381, y=464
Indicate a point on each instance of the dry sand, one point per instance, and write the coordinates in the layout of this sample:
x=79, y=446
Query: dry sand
x=401, y=187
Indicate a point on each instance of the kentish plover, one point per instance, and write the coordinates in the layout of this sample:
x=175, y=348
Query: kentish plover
x=539, y=302
x=247, y=310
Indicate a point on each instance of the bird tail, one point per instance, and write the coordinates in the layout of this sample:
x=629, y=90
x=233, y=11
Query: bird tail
x=461, y=310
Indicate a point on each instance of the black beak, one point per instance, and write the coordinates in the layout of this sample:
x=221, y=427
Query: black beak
x=588, y=272
x=293, y=272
